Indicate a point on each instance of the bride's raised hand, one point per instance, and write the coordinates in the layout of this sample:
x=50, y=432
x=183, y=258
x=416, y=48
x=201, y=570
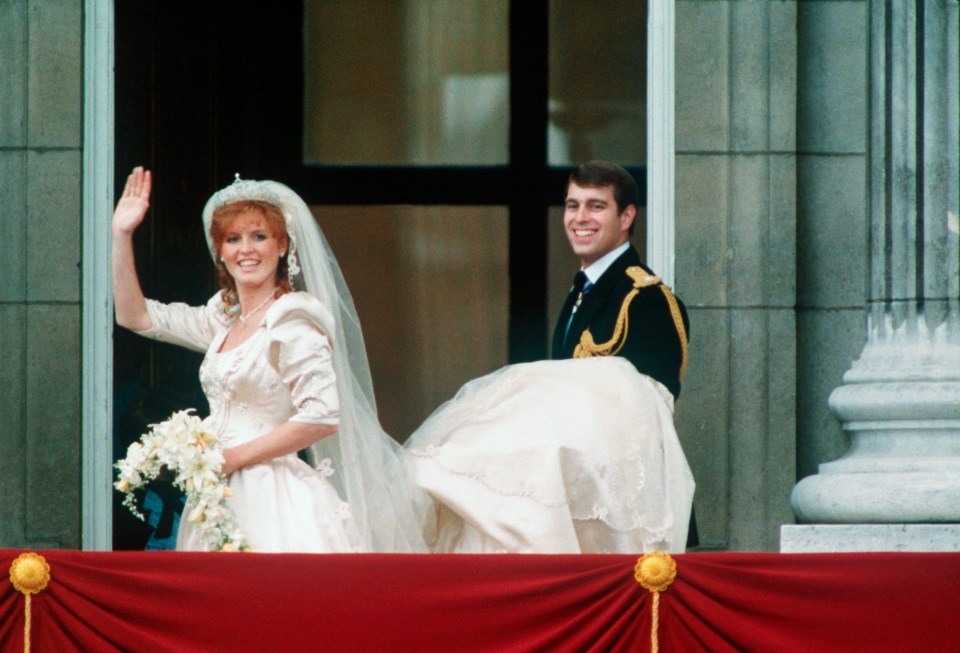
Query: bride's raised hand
x=133, y=204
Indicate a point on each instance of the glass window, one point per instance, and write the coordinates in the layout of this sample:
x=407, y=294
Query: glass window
x=406, y=83
x=597, y=82
x=431, y=288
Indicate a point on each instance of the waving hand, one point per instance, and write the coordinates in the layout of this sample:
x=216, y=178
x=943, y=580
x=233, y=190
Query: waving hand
x=128, y=301
x=133, y=204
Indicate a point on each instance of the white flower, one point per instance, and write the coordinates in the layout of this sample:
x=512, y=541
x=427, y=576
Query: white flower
x=195, y=456
x=197, y=515
x=325, y=467
x=199, y=467
x=137, y=455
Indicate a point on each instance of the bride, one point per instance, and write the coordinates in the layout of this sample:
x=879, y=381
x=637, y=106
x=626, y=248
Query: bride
x=284, y=369
x=550, y=457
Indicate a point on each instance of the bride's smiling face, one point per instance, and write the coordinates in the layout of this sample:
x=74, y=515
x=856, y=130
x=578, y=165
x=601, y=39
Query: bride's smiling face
x=251, y=250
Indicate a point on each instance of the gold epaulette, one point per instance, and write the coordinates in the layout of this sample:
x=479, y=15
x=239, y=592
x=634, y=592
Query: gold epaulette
x=641, y=279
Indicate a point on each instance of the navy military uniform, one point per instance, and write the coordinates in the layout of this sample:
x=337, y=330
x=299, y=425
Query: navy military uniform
x=628, y=313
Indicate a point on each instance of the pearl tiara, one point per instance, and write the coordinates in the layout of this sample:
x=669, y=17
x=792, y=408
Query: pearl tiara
x=244, y=189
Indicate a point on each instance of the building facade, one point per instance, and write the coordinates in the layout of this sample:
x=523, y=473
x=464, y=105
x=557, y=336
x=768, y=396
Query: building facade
x=770, y=245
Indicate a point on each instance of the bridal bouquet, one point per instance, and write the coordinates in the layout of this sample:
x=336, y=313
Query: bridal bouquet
x=181, y=445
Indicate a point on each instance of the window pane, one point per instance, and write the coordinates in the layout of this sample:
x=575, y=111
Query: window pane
x=411, y=82
x=431, y=288
x=598, y=81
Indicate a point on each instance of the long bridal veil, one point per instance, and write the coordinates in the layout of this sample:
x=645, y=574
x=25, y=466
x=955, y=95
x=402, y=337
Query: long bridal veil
x=371, y=472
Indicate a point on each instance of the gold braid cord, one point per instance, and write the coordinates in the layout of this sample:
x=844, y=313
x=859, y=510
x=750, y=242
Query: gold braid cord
x=681, y=330
x=655, y=572
x=588, y=347
x=29, y=574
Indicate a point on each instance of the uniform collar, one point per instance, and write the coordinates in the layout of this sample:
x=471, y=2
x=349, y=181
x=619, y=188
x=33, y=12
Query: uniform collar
x=596, y=269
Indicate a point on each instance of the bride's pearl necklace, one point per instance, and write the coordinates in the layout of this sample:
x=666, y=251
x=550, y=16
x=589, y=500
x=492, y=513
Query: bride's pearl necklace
x=243, y=318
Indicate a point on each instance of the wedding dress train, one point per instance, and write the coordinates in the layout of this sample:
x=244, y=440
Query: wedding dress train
x=571, y=456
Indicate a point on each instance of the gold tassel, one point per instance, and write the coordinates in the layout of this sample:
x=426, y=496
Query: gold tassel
x=30, y=574
x=655, y=572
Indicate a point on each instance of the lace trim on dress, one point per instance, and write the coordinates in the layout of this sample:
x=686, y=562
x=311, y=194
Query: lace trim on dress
x=614, y=503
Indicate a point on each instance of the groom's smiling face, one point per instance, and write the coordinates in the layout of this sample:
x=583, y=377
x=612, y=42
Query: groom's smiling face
x=593, y=222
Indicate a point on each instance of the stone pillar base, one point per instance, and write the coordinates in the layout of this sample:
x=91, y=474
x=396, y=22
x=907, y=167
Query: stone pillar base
x=851, y=538
x=838, y=495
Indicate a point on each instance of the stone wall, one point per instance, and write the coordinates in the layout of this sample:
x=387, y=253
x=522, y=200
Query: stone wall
x=832, y=263
x=40, y=207
x=736, y=266
x=771, y=247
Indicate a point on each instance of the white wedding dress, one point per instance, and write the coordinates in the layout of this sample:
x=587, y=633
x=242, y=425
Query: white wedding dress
x=281, y=373
x=574, y=456
x=569, y=456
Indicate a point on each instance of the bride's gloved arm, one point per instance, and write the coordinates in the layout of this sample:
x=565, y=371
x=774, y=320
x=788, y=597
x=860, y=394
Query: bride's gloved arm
x=129, y=303
x=289, y=437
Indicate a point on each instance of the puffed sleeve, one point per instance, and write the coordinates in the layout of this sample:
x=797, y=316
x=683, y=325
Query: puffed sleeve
x=299, y=349
x=193, y=327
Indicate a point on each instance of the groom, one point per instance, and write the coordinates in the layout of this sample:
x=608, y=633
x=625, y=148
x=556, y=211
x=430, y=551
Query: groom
x=617, y=306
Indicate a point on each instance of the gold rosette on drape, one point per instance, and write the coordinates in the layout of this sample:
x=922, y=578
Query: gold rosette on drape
x=30, y=575
x=655, y=572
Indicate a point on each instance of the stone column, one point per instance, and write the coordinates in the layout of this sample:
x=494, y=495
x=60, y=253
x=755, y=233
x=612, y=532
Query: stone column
x=900, y=401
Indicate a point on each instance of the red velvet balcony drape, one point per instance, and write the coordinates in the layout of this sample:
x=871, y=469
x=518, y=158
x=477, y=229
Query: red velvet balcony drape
x=372, y=602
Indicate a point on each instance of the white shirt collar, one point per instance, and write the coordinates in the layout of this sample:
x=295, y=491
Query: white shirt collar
x=596, y=269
